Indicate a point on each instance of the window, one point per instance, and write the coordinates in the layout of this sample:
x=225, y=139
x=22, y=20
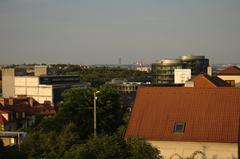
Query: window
x=231, y=82
x=17, y=115
x=23, y=114
x=179, y=127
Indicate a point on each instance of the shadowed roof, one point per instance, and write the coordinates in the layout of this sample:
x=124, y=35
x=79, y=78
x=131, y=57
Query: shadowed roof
x=232, y=70
x=24, y=105
x=210, y=114
x=206, y=81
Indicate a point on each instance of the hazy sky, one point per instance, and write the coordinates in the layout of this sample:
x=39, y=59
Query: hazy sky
x=102, y=31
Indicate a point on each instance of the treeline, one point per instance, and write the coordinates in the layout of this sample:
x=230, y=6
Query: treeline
x=99, y=75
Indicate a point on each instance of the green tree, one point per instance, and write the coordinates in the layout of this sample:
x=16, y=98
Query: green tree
x=105, y=147
x=78, y=108
x=73, y=123
x=140, y=149
x=102, y=147
x=50, y=144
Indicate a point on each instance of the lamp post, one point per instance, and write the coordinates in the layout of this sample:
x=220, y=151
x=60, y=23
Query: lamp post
x=95, y=112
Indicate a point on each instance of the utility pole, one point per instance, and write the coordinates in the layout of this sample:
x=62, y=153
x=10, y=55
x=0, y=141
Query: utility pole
x=95, y=113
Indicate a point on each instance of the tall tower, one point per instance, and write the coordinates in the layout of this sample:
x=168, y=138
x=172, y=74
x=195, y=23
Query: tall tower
x=119, y=61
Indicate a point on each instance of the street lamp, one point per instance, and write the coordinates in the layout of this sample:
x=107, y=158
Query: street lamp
x=95, y=112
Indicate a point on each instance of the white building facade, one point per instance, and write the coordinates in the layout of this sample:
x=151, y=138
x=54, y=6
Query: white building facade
x=30, y=86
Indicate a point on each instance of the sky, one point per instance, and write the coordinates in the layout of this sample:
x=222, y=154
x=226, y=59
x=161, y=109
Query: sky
x=102, y=31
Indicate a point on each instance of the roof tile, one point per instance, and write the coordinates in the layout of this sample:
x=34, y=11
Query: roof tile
x=211, y=114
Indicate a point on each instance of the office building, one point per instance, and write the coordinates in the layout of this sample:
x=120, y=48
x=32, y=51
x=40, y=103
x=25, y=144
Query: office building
x=163, y=70
x=42, y=87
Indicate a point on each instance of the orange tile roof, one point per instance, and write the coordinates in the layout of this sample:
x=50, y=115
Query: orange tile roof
x=206, y=81
x=23, y=105
x=232, y=70
x=210, y=114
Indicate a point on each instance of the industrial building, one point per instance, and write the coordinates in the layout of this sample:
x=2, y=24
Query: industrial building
x=163, y=71
x=41, y=86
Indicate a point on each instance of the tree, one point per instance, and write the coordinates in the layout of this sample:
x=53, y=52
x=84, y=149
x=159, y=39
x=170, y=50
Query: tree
x=50, y=144
x=73, y=123
x=105, y=147
x=140, y=149
x=100, y=75
x=102, y=147
x=78, y=108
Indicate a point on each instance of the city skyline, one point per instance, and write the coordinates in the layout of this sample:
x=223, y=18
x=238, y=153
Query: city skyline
x=101, y=32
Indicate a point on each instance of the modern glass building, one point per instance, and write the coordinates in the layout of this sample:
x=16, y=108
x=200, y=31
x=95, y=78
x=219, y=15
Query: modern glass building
x=197, y=64
x=163, y=70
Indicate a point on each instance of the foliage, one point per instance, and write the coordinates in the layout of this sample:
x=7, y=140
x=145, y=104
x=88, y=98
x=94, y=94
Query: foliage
x=73, y=123
x=9, y=152
x=78, y=108
x=102, y=147
x=50, y=144
x=100, y=75
x=140, y=149
x=105, y=147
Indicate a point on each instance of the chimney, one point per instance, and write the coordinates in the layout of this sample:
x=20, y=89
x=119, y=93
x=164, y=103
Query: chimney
x=209, y=70
x=10, y=101
x=189, y=84
x=31, y=102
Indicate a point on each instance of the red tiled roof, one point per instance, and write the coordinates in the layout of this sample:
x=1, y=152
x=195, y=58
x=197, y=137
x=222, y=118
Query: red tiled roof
x=210, y=114
x=206, y=81
x=232, y=70
x=23, y=105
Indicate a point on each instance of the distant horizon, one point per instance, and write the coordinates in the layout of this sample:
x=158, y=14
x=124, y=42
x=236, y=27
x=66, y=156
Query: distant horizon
x=124, y=64
x=91, y=32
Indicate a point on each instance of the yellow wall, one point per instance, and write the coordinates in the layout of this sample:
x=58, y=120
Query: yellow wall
x=6, y=116
x=236, y=78
x=185, y=149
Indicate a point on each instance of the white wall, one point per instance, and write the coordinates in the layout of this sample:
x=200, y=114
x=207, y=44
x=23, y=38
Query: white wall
x=29, y=86
x=33, y=91
x=185, y=149
x=20, y=81
x=32, y=81
x=181, y=75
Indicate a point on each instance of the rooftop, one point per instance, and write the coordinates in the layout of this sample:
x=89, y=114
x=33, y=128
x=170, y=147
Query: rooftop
x=206, y=81
x=27, y=105
x=231, y=70
x=209, y=114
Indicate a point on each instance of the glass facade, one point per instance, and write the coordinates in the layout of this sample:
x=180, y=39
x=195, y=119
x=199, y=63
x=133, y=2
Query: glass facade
x=163, y=70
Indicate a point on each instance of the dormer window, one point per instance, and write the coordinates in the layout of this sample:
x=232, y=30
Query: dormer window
x=179, y=127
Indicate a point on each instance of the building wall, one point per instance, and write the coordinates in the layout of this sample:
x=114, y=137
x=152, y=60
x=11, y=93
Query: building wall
x=40, y=70
x=235, y=78
x=182, y=75
x=8, y=82
x=29, y=86
x=185, y=149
